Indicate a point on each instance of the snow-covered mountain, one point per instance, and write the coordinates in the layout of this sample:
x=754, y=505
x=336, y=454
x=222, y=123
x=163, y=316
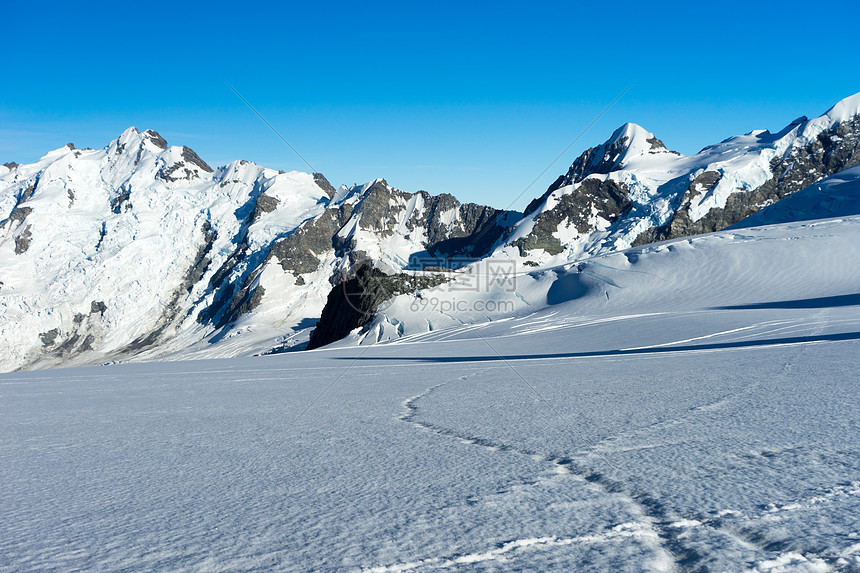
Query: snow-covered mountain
x=141, y=250
x=631, y=190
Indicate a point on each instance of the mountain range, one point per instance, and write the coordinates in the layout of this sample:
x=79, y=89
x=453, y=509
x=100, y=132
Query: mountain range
x=142, y=251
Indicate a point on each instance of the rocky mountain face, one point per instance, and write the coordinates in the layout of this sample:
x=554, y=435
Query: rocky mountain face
x=141, y=250
x=355, y=301
x=631, y=190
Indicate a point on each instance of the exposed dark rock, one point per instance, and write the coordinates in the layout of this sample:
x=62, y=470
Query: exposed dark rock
x=17, y=215
x=248, y=300
x=299, y=251
x=50, y=337
x=220, y=285
x=176, y=172
x=67, y=347
x=475, y=232
x=606, y=199
x=102, y=235
x=83, y=338
x=264, y=204
x=354, y=302
x=535, y=203
x=155, y=138
x=233, y=298
x=28, y=192
x=323, y=184
x=121, y=202
x=87, y=343
x=191, y=157
x=201, y=261
x=601, y=159
x=656, y=143
x=71, y=196
x=97, y=307
x=172, y=309
x=22, y=241
x=379, y=211
x=11, y=165
x=833, y=151
x=680, y=224
x=180, y=170
x=16, y=219
x=472, y=233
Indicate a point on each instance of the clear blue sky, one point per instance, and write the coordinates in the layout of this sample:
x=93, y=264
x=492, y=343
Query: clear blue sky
x=469, y=99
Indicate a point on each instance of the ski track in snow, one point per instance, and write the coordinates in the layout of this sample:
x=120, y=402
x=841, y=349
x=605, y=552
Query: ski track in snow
x=517, y=546
x=660, y=524
x=563, y=468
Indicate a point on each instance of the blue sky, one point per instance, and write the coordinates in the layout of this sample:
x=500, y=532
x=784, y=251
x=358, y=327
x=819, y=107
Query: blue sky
x=470, y=99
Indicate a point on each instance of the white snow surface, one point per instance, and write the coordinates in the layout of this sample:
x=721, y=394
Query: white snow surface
x=688, y=405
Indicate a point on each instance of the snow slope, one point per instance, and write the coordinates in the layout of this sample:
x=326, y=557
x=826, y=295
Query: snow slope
x=685, y=406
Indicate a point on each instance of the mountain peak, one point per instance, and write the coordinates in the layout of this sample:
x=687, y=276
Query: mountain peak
x=131, y=133
x=634, y=140
x=156, y=139
x=133, y=138
x=627, y=142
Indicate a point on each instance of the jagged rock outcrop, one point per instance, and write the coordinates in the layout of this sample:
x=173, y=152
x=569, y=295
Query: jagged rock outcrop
x=355, y=301
x=593, y=198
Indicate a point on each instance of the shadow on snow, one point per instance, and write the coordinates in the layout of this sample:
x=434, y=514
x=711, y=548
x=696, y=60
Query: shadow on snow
x=842, y=336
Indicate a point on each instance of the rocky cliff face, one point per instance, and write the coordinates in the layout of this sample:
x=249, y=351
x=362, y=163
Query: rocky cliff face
x=354, y=302
x=631, y=190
